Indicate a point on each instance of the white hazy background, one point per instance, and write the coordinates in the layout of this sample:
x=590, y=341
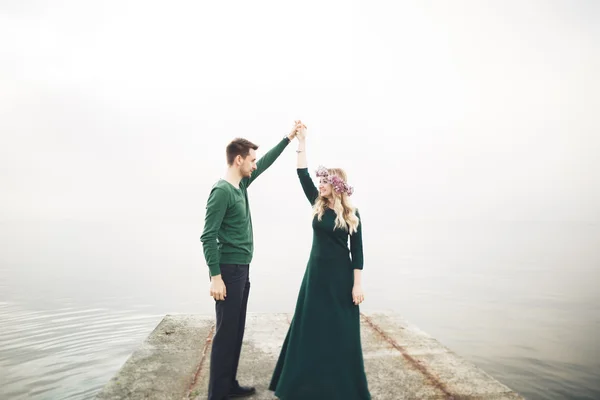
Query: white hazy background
x=469, y=129
x=438, y=110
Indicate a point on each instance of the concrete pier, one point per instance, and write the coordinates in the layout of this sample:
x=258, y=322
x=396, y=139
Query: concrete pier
x=401, y=362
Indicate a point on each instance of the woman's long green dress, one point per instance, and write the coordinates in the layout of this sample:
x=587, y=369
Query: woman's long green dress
x=322, y=355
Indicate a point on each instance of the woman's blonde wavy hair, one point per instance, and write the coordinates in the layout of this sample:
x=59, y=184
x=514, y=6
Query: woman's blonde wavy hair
x=345, y=213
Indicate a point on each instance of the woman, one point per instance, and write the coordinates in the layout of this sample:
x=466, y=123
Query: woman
x=322, y=356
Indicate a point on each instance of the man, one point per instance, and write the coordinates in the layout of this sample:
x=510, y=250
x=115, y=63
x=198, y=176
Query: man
x=227, y=242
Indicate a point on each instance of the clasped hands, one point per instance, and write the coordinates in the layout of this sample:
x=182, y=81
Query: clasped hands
x=298, y=131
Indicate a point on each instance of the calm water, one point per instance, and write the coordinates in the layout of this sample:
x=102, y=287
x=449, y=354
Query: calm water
x=519, y=300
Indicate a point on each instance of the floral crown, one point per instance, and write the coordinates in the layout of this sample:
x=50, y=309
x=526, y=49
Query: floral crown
x=338, y=183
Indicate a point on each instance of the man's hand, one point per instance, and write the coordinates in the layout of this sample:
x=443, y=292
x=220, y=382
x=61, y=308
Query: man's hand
x=217, y=288
x=357, y=294
x=293, y=132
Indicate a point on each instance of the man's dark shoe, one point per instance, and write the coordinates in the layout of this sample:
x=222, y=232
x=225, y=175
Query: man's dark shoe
x=241, y=391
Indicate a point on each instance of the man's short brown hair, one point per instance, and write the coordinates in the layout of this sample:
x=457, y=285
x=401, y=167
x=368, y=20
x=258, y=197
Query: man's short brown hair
x=239, y=147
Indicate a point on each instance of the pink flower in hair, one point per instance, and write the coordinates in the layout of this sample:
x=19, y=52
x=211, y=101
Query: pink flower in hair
x=322, y=172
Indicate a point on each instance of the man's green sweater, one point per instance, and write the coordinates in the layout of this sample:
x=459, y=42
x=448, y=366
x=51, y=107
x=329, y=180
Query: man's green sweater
x=227, y=237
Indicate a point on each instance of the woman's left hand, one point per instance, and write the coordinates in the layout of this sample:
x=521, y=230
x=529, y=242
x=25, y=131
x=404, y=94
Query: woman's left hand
x=357, y=295
x=300, y=130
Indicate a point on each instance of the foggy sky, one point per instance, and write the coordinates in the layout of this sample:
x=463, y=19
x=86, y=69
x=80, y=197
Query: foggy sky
x=437, y=110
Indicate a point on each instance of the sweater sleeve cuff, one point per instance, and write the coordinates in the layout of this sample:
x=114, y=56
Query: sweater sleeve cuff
x=214, y=269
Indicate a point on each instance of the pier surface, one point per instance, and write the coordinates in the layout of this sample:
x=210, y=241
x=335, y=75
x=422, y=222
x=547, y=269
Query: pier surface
x=401, y=362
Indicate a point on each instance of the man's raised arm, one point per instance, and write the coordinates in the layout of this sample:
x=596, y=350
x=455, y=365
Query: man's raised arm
x=269, y=158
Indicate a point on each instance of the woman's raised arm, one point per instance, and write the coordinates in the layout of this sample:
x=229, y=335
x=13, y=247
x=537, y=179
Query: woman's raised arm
x=308, y=186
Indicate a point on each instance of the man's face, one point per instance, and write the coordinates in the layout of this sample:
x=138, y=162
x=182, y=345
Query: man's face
x=248, y=164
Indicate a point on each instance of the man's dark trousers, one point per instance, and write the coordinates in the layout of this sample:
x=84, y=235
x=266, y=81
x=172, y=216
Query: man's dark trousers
x=231, y=321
